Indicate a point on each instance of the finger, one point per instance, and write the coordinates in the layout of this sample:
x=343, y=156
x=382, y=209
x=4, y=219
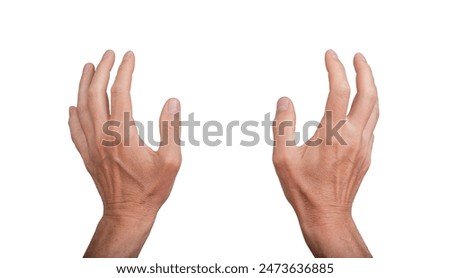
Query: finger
x=339, y=88
x=372, y=122
x=169, y=128
x=366, y=95
x=120, y=92
x=97, y=96
x=372, y=139
x=82, y=107
x=284, y=126
x=365, y=166
x=77, y=134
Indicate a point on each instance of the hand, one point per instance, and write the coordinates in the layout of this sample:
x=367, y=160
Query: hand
x=320, y=178
x=133, y=180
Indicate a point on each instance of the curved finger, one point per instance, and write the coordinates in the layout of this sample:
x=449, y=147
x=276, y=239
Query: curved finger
x=77, y=134
x=339, y=94
x=120, y=91
x=98, y=98
x=366, y=96
x=372, y=122
x=82, y=110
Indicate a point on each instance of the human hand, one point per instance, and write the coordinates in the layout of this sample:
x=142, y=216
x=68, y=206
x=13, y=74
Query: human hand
x=321, y=178
x=133, y=180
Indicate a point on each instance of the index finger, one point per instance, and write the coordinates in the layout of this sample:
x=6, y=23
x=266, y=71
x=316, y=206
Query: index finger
x=120, y=91
x=339, y=88
x=97, y=96
x=366, y=96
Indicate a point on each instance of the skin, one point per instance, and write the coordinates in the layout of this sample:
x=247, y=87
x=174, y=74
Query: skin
x=133, y=181
x=321, y=182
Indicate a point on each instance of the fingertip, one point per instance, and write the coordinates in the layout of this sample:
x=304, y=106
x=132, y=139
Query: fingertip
x=72, y=109
x=332, y=61
x=284, y=122
x=128, y=55
x=283, y=104
x=108, y=53
x=108, y=59
x=72, y=114
x=173, y=106
x=87, y=67
x=331, y=53
x=170, y=128
x=359, y=57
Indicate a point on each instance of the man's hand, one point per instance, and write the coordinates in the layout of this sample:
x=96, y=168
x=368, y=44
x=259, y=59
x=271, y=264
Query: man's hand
x=133, y=180
x=321, y=178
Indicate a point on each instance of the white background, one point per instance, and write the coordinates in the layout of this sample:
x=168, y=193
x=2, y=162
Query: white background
x=224, y=60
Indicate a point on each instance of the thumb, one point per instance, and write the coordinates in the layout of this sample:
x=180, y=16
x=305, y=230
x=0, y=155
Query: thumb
x=169, y=129
x=284, y=125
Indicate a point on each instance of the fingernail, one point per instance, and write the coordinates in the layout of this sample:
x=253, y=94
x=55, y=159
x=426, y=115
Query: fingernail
x=282, y=104
x=332, y=53
x=128, y=54
x=362, y=56
x=107, y=53
x=173, y=106
x=85, y=68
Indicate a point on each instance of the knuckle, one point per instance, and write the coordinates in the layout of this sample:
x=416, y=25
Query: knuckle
x=92, y=90
x=276, y=131
x=282, y=132
x=91, y=107
x=89, y=167
x=82, y=110
x=377, y=113
x=69, y=122
x=115, y=89
x=354, y=141
x=342, y=88
x=276, y=159
x=371, y=96
x=74, y=137
x=173, y=162
x=366, y=164
x=360, y=156
x=375, y=88
x=280, y=160
x=366, y=137
x=355, y=147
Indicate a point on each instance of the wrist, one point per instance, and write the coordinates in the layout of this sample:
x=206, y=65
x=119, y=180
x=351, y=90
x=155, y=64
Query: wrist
x=333, y=235
x=134, y=220
x=121, y=232
x=130, y=212
x=331, y=232
x=331, y=216
x=127, y=225
x=324, y=229
x=118, y=237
